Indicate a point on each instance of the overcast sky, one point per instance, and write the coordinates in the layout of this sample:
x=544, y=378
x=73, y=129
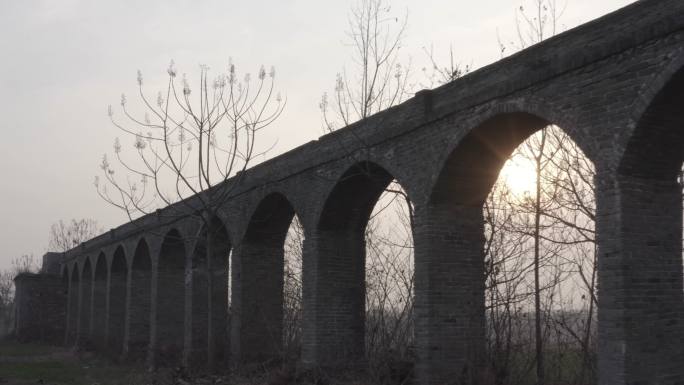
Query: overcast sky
x=63, y=62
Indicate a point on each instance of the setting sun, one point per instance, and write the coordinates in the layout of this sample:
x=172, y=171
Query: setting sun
x=518, y=173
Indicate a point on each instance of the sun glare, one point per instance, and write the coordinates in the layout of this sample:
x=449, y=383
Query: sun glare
x=519, y=175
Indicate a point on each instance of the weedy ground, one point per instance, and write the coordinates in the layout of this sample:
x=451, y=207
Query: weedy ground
x=29, y=364
x=24, y=364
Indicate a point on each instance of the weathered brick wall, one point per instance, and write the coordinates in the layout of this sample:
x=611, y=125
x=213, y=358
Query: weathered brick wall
x=449, y=292
x=640, y=262
x=52, y=263
x=40, y=304
x=257, y=272
x=614, y=85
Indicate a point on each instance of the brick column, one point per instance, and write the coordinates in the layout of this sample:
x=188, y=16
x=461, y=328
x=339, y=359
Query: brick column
x=449, y=307
x=207, y=306
x=118, y=282
x=334, y=298
x=169, y=303
x=85, y=307
x=196, y=336
x=99, y=314
x=72, y=310
x=117, y=309
x=218, y=301
x=138, y=312
x=641, y=304
x=257, y=304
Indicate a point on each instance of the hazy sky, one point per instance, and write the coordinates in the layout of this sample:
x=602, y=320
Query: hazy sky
x=63, y=62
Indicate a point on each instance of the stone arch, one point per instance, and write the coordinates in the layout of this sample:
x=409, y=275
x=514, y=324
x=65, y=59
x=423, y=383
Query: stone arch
x=450, y=238
x=209, y=295
x=510, y=116
x=472, y=163
x=655, y=149
x=334, y=284
x=118, y=279
x=170, y=298
x=100, y=300
x=86, y=303
x=640, y=229
x=139, y=302
x=651, y=89
x=351, y=200
x=257, y=279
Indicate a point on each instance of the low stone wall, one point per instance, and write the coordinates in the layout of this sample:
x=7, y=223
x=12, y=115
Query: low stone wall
x=40, y=304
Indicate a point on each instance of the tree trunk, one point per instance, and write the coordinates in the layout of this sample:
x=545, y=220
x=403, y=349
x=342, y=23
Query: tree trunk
x=211, y=344
x=537, y=239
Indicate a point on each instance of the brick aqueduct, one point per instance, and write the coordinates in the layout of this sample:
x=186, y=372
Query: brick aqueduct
x=615, y=85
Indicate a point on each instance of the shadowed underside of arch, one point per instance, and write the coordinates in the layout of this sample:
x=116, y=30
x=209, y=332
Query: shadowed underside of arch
x=334, y=278
x=640, y=228
x=472, y=168
x=656, y=148
x=450, y=243
x=257, y=273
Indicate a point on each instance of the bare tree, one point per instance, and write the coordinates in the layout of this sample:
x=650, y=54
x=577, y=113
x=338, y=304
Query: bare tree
x=546, y=235
x=23, y=264
x=534, y=23
x=186, y=145
x=6, y=301
x=378, y=79
x=549, y=235
x=67, y=235
x=436, y=73
x=292, y=290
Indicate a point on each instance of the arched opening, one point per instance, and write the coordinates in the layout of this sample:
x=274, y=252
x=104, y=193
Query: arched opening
x=210, y=296
x=641, y=269
x=72, y=327
x=292, y=291
x=507, y=244
x=389, y=332
x=100, y=301
x=353, y=319
x=258, y=267
x=117, y=301
x=86, y=305
x=542, y=250
x=170, y=300
x=140, y=297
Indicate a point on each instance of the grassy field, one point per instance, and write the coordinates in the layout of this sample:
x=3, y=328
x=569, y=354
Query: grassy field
x=24, y=364
x=28, y=364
